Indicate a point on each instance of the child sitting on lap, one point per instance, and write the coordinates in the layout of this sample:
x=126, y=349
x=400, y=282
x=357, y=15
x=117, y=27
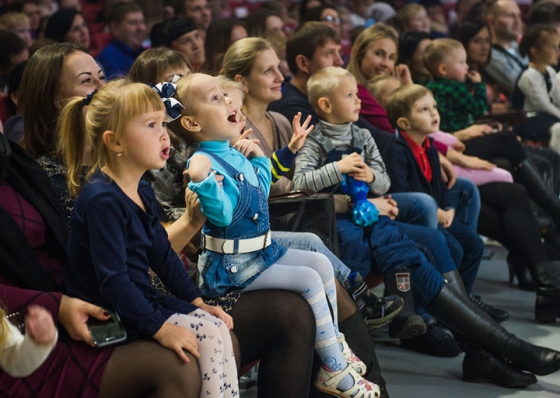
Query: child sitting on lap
x=238, y=251
x=446, y=59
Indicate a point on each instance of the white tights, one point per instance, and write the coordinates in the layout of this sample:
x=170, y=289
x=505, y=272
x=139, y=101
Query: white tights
x=217, y=361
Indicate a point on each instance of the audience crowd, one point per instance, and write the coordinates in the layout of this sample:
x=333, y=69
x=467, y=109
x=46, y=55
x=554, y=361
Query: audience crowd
x=432, y=125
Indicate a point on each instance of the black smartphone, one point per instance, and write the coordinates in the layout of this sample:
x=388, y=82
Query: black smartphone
x=110, y=331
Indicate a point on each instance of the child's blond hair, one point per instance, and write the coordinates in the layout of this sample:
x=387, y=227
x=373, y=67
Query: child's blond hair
x=376, y=85
x=111, y=108
x=4, y=330
x=437, y=52
x=230, y=85
x=10, y=20
x=406, y=12
x=399, y=104
x=324, y=82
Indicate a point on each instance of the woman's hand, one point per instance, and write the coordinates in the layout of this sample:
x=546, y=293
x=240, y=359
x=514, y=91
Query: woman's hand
x=386, y=206
x=402, y=73
x=73, y=313
x=193, y=214
x=199, y=167
x=177, y=339
x=300, y=132
x=474, y=131
x=218, y=313
x=445, y=217
x=40, y=325
x=469, y=162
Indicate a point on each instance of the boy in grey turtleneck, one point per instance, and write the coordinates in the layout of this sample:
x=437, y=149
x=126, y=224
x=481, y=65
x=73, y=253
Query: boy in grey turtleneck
x=333, y=95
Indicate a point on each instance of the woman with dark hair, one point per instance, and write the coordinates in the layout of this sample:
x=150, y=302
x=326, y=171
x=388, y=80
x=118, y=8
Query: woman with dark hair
x=221, y=34
x=324, y=13
x=53, y=75
x=264, y=22
x=411, y=51
x=68, y=25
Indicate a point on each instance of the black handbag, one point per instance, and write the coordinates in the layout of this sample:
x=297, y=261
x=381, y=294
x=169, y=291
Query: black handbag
x=305, y=211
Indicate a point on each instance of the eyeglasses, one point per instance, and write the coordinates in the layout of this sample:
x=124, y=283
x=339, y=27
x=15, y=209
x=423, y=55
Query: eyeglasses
x=330, y=18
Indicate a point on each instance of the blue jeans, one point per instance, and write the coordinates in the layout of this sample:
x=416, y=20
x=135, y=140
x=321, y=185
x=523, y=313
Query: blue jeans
x=417, y=208
x=383, y=247
x=311, y=242
x=465, y=198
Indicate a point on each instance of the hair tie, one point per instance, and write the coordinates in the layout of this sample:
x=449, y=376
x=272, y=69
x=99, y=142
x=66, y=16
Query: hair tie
x=86, y=101
x=172, y=106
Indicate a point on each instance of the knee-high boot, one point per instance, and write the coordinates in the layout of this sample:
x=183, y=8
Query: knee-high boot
x=528, y=175
x=458, y=312
x=547, y=277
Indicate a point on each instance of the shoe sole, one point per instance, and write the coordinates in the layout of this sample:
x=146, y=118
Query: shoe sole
x=414, y=326
x=373, y=324
x=477, y=379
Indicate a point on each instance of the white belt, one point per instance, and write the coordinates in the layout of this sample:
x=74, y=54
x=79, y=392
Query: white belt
x=227, y=246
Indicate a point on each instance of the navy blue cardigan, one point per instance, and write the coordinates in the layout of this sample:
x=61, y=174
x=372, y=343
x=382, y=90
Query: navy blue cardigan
x=406, y=175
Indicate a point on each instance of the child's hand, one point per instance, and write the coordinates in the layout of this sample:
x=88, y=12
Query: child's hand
x=474, y=131
x=249, y=148
x=218, y=313
x=459, y=147
x=364, y=174
x=73, y=313
x=199, y=167
x=350, y=164
x=40, y=325
x=300, y=132
x=474, y=76
x=177, y=339
x=402, y=73
x=445, y=217
x=386, y=206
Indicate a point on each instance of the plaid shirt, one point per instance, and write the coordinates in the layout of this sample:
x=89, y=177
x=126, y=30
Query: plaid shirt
x=457, y=106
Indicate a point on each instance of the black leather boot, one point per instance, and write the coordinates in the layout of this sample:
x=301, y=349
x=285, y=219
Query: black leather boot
x=407, y=323
x=458, y=312
x=529, y=176
x=454, y=280
x=518, y=268
x=547, y=277
x=480, y=365
x=358, y=339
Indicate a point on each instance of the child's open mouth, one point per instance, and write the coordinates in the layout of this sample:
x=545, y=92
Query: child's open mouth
x=165, y=152
x=233, y=117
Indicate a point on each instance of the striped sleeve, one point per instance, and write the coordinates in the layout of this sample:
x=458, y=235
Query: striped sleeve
x=309, y=174
x=373, y=159
x=281, y=162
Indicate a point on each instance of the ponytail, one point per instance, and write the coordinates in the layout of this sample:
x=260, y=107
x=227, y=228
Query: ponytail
x=72, y=143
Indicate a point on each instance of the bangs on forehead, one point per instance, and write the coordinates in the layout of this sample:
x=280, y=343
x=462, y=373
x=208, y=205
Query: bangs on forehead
x=142, y=99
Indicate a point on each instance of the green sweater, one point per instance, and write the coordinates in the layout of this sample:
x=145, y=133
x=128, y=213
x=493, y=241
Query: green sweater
x=457, y=106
